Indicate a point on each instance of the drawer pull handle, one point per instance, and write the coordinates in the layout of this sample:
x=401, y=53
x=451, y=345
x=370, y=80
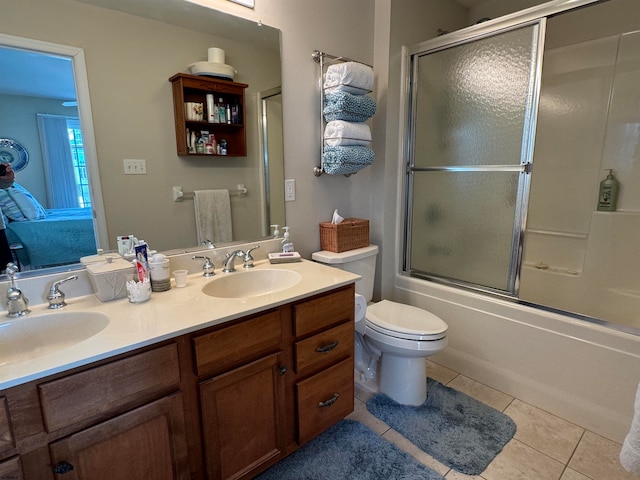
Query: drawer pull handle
x=62, y=467
x=282, y=370
x=327, y=348
x=331, y=401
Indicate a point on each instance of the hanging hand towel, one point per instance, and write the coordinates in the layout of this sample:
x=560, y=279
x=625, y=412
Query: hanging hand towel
x=348, y=107
x=630, y=453
x=213, y=215
x=346, y=160
x=339, y=132
x=352, y=77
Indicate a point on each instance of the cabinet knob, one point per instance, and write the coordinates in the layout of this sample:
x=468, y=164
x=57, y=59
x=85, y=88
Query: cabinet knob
x=62, y=467
x=328, y=348
x=331, y=401
x=283, y=370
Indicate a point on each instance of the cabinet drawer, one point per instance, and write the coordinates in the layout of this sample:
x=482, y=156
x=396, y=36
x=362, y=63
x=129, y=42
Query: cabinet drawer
x=11, y=469
x=324, y=399
x=6, y=435
x=321, y=312
x=99, y=391
x=240, y=343
x=324, y=348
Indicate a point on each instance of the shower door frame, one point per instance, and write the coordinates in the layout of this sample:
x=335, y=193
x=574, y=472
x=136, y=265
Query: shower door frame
x=529, y=17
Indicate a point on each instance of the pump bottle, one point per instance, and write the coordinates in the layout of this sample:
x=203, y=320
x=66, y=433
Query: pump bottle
x=608, y=194
x=286, y=245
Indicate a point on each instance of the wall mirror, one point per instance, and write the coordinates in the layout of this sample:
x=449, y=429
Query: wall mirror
x=130, y=50
x=575, y=258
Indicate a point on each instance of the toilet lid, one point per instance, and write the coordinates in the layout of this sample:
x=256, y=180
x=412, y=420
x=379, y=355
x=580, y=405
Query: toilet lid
x=405, y=321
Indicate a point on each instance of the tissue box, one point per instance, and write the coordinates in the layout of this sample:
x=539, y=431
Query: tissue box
x=352, y=233
x=109, y=279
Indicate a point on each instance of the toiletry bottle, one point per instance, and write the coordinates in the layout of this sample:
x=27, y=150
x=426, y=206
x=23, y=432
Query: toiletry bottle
x=276, y=232
x=193, y=140
x=608, y=194
x=222, y=110
x=228, y=113
x=214, y=144
x=286, y=245
x=223, y=147
x=210, y=108
x=200, y=145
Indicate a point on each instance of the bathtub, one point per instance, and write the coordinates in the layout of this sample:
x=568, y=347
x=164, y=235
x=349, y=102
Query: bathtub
x=581, y=371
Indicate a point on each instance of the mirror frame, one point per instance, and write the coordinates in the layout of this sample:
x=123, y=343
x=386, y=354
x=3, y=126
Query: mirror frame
x=84, y=112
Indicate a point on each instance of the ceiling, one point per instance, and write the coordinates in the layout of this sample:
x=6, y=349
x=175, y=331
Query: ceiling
x=24, y=72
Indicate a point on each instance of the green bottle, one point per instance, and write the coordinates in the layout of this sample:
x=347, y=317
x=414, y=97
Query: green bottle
x=608, y=194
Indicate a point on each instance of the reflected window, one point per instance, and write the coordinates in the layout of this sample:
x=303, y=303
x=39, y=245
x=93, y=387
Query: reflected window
x=79, y=164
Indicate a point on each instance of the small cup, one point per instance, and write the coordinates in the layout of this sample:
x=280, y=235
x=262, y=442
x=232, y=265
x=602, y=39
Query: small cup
x=180, y=277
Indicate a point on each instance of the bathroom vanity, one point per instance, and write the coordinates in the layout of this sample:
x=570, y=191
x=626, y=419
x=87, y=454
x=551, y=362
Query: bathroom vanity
x=188, y=399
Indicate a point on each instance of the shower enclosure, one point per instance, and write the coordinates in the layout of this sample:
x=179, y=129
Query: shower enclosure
x=511, y=129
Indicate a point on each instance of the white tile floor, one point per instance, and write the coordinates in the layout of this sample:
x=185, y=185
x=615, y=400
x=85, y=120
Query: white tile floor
x=544, y=447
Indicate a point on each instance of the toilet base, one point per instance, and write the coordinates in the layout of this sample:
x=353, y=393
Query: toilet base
x=404, y=379
x=369, y=385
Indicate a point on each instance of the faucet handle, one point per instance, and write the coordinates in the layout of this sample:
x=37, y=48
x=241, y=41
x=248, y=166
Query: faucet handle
x=56, y=296
x=248, y=258
x=208, y=267
x=11, y=269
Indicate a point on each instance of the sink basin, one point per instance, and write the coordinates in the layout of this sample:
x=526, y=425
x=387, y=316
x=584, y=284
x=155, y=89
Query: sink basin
x=32, y=336
x=251, y=283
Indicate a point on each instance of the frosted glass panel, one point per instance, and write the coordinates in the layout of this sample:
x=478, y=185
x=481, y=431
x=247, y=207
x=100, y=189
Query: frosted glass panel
x=472, y=101
x=462, y=225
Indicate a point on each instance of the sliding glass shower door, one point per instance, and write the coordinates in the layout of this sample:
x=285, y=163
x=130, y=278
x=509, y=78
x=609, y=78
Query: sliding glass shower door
x=472, y=125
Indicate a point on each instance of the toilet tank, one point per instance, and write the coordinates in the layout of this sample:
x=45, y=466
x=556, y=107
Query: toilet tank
x=361, y=261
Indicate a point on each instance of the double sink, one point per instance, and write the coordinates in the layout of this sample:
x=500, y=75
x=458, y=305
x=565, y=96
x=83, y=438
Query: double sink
x=32, y=336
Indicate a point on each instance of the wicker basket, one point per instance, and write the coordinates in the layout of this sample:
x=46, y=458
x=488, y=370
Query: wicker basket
x=350, y=234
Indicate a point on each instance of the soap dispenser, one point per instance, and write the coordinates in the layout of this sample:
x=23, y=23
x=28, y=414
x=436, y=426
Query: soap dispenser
x=276, y=231
x=286, y=245
x=608, y=193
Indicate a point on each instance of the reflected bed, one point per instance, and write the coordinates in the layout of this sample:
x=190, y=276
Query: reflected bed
x=65, y=235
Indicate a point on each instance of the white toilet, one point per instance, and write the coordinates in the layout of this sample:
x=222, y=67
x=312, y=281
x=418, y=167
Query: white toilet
x=392, y=339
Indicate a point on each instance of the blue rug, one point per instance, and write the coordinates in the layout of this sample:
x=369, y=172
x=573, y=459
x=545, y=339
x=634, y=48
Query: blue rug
x=349, y=450
x=452, y=427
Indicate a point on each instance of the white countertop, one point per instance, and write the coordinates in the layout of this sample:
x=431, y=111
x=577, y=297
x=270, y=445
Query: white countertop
x=166, y=315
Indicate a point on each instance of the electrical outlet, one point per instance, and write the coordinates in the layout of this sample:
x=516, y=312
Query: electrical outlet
x=289, y=190
x=135, y=166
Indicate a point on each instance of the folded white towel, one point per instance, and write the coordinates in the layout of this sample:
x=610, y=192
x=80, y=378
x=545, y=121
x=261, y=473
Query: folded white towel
x=340, y=132
x=630, y=452
x=351, y=77
x=213, y=215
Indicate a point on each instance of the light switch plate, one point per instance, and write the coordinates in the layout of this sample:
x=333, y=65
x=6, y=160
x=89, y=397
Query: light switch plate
x=135, y=166
x=289, y=190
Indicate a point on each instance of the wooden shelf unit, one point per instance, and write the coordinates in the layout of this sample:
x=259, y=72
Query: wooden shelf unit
x=194, y=88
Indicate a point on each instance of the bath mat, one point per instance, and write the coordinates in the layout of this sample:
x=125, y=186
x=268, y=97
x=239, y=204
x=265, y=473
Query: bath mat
x=452, y=427
x=349, y=450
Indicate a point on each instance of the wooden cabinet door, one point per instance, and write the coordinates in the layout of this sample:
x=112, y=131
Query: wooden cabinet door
x=10, y=469
x=146, y=443
x=243, y=418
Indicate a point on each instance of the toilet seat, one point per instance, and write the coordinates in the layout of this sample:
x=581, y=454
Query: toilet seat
x=405, y=322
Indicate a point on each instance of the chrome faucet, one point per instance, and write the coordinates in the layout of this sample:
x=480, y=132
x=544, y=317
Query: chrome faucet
x=17, y=303
x=229, y=264
x=248, y=259
x=208, y=267
x=56, y=296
